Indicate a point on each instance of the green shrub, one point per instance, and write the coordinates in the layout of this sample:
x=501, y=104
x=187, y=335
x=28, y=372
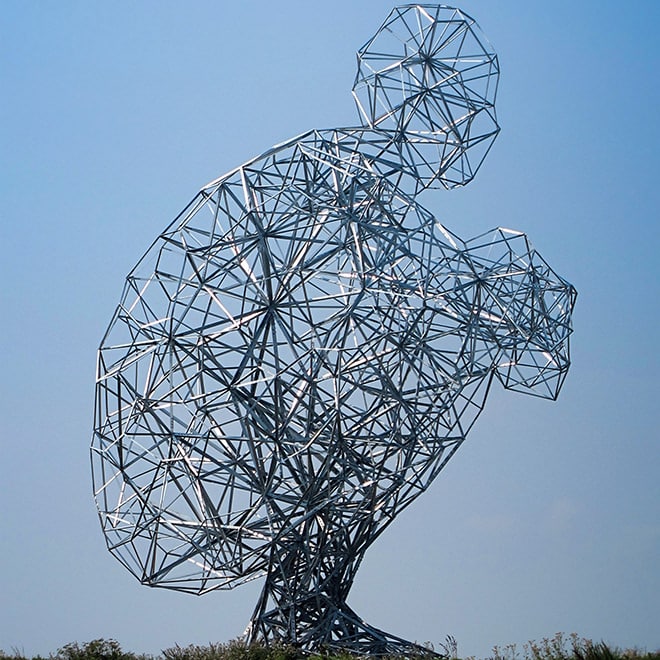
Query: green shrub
x=569, y=647
x=234, y=650
x=559, y=647
x=18, y=655
x=97, y=649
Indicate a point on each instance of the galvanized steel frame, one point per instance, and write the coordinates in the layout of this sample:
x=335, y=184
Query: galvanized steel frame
x=299, y=354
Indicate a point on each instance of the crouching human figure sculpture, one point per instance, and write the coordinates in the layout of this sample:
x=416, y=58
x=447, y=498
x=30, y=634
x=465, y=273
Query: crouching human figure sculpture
x=299, y=354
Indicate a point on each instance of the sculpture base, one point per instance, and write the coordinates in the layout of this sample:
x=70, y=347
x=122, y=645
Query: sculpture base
x=339, y=630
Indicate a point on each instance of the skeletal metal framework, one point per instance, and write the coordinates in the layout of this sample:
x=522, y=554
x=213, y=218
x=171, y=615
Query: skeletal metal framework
x=299, y=354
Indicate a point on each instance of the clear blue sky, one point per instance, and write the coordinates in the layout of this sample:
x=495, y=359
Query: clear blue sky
x=112, y=116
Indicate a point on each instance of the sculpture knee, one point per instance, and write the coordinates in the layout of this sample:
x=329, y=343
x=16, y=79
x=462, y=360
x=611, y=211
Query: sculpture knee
x=521, y=312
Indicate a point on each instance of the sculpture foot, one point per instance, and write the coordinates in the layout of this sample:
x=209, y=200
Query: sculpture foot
x=340, y=630
x=353, y=635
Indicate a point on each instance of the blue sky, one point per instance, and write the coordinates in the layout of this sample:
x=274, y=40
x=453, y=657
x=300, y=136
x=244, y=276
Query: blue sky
x=114, y=114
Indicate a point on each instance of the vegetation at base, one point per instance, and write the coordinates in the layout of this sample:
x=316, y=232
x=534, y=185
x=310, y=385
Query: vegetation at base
x=569, y=647
x=559, y=647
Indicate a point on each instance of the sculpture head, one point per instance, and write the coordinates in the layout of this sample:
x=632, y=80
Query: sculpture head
x=428, y=78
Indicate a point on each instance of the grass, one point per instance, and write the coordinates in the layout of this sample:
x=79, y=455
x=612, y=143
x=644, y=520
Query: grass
x=569, y=647
x=559, y=647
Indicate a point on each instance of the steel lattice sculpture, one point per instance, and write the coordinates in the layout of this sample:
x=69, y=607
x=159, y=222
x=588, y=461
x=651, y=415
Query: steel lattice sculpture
x=299, y=354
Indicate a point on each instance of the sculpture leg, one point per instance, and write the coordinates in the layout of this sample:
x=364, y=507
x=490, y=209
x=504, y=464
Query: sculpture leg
x=303, y=602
